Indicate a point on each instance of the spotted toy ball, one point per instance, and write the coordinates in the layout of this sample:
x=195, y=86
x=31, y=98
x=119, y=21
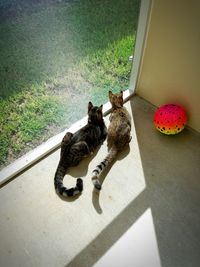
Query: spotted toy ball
x=170, y=119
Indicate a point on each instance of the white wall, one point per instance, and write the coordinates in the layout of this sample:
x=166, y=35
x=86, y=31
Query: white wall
x=170, y=69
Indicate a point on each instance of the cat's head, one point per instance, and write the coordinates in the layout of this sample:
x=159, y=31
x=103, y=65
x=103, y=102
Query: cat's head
x=95, y=114
x=116, y=100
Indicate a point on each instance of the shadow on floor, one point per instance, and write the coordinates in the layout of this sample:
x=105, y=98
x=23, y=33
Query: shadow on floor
x=171, y=169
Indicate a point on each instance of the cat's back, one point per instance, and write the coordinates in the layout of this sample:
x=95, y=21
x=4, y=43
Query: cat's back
x=120, y=116
x=119, y=128
x=91, y=130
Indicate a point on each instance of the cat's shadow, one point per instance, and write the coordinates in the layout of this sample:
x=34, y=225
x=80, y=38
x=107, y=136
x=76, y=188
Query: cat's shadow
x=96, y=194
x=78, y=171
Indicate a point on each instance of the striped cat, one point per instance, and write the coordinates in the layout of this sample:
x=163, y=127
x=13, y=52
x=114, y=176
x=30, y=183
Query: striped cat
x=118, y=134
x=75, y=147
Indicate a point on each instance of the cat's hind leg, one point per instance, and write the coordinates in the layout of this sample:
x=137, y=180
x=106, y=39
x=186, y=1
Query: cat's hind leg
x=65, y=142
x=80, y=149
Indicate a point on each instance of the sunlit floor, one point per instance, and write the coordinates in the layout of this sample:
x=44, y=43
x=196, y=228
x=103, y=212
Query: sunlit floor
x=149, y=203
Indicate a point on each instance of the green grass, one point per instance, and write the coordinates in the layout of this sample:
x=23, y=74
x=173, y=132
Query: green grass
x=56, y=58
x=25, y=117
x=109, y=69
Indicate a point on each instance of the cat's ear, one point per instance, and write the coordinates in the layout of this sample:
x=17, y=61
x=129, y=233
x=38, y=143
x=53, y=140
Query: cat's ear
x=110, y=94
x=101, y=107
x=90, y=106
x=121, y=92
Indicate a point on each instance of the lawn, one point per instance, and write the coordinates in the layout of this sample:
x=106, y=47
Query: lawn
x=55, y=57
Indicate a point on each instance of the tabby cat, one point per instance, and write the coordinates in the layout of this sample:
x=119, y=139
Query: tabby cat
x=75, y=147
x=118, y=134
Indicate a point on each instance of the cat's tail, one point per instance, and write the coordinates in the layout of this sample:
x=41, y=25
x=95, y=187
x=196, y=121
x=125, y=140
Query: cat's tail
x=61, y=189
x=99, y=168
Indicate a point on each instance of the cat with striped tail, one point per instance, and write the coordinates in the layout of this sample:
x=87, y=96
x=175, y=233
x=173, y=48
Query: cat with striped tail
x=77, y=146
x=118, y=135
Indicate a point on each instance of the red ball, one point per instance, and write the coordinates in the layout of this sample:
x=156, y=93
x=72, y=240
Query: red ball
x=170, y=119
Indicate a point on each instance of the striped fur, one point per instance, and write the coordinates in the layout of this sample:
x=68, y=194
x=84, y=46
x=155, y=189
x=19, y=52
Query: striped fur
x=118, y=135
x=75, y=147
x=99, y=168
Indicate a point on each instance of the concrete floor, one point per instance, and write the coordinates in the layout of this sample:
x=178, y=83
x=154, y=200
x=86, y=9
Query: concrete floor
x=157, y=176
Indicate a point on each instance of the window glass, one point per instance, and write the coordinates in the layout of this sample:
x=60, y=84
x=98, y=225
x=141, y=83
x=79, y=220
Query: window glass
x=55, y=57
